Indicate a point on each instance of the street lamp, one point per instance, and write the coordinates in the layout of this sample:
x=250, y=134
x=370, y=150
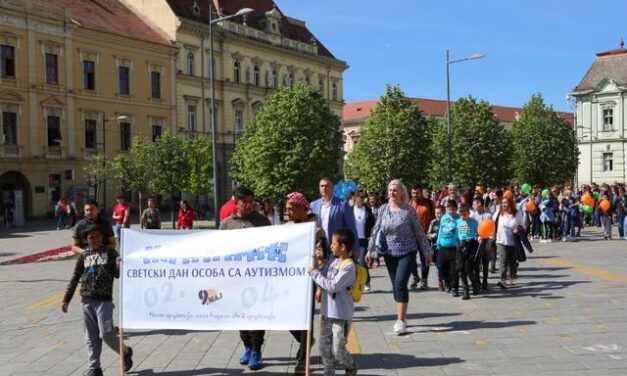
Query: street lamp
x=104, y=153
x=214, y=129
x=448, y=106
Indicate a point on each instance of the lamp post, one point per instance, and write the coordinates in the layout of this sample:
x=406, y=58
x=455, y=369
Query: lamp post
x=214, y=129
x=448, y=107
x=104, y=153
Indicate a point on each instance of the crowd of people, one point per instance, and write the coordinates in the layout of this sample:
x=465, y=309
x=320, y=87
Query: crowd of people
x=463, y=232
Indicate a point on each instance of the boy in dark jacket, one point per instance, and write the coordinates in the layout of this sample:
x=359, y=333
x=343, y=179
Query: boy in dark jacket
x=95, y=269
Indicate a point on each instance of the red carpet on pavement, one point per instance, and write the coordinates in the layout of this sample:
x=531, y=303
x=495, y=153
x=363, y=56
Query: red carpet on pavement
x=52, y=254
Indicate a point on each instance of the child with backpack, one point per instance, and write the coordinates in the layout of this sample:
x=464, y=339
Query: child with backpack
x=338, y=307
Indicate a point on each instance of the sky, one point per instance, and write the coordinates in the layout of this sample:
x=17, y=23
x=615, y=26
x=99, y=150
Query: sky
x=531, y=46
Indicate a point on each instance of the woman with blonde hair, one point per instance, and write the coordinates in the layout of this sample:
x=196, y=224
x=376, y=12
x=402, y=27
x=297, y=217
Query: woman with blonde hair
x=398, y=235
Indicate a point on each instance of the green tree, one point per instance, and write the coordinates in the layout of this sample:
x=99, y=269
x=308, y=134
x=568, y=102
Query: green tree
x=544, y=144
x=291, y=143
x=135, y=168
x=394, y=143
x=97, y=171
x=481, y=147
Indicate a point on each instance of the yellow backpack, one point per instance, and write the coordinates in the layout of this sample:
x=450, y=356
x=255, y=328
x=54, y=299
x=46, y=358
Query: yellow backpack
x=361, y=276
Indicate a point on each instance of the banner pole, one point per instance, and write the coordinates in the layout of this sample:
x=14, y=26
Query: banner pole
x=121, y=304
x=308, y=354
x=310, y=306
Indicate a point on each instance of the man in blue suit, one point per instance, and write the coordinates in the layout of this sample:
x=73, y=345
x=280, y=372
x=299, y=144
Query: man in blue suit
x=333, y=213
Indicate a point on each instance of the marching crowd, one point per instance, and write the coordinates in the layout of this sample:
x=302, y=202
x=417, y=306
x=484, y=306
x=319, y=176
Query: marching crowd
x=463, y=232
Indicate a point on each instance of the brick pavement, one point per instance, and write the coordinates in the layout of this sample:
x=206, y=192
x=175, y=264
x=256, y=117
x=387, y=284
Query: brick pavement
x=565, y=317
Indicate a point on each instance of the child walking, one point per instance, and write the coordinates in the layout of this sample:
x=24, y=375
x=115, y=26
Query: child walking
x=95, y=269
x=337, y=304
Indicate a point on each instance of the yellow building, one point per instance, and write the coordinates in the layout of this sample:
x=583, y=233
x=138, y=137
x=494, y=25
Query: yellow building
x=253, y=55
x=75, y=81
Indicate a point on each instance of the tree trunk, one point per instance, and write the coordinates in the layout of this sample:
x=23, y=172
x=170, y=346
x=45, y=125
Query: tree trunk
x=139, y=195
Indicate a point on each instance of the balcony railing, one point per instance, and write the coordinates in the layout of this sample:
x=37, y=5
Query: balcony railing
x=277, y=40
x=54, y=152
x=10, y=150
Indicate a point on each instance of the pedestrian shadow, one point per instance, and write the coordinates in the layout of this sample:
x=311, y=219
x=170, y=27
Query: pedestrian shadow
x=456, y=326
x=534, y=289
x=5, y=254
x=399, y=361
x=411, y=316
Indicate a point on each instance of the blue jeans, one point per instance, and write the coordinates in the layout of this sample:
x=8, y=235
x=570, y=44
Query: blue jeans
x=621, y=226
x=363, y=249
x=61, y=220
x=399, y=270
x=625, y=227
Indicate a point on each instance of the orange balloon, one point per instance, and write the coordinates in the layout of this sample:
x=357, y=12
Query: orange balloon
x=508, y=194
x=587, y=199
x=486, y=228
x=604, y=205
x=531, y=206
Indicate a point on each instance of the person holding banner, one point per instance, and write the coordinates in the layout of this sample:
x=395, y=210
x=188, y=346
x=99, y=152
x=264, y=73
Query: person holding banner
x=404, y=237
x=245, y=217
x=92, y=216
x=96, y=269
x=297, y=207
x=337, y=307
x=333, y=213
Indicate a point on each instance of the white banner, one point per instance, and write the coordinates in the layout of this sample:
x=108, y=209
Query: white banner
x=249, y=279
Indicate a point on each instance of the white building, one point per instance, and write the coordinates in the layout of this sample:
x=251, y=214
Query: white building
x=601, y=98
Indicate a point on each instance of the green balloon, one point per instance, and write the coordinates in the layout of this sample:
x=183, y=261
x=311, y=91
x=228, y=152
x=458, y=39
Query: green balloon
x=545, y=193
x=595, y=195
x=588, y=209
x=526, y=188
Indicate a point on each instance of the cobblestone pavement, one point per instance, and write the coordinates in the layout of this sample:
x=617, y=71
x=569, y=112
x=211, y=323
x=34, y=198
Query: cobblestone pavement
x=566, y=316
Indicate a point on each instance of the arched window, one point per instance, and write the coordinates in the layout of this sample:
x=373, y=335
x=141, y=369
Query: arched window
x=275, y=79
x=236, y=72
x=190, y=63
x=334, y=91
x=256, y=75
x=321, y=84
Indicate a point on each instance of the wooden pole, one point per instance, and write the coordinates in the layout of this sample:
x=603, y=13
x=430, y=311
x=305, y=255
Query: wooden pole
x=121, y=323
x=308, y=354
x=121, y=347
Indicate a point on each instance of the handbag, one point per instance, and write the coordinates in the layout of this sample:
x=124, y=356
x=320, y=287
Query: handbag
x=381, y=243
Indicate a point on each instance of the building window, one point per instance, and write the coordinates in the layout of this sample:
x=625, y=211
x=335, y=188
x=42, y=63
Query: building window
x=236, y=72
x=256, y=75
x=155, y=84
x=275, y=79
x=307, y=80
x=157, y=130
x=190, y=63
x=191, y=119
x=9, y=128
x=608, y=119
x=89, y=75
x=239, y=121
x=52, y=69
x=54, y=131
x=124, y=80
x=334, y=91
x=290, y=81
x=7, y=61
x=608, y=162
x=125, y=136
x=321, y=85
x=90, y=134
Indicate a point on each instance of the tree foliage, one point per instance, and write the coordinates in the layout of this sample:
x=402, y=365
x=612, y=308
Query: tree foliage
x=481, y=147
x=135, y=168
x=291, y=143
x=544, y=144
x=97, y=170
x=394, y=143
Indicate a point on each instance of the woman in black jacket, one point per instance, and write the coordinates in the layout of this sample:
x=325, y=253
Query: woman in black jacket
x=364, y=222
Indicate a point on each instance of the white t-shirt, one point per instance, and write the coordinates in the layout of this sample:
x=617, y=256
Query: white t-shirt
x=360, y=221
x=507, y=224
x=325, y=212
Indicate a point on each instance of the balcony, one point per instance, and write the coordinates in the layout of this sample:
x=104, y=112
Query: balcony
x=277, y=40
x=10, y=151
x=53, y=152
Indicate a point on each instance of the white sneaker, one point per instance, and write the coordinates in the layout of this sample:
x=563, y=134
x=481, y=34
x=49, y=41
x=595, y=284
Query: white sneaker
x=367, y=287
x=400, y=327
x=549, y=241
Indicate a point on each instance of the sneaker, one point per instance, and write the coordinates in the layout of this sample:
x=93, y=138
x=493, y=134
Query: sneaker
x=456, y=293
x=441, y=285
x=128, y=359
x=414, y=283
x=93, y=372
x=501, y=284
x=400, y=327
x=367, y=287
x=466, y=295
x=549, y=241
x=255, y=361
x=564, y=239
x=351, y=371
x=245, y=358
x=424, y=285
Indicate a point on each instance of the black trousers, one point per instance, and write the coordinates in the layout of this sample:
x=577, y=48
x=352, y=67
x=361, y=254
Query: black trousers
x=465, y=263
x=252, y=338
x=446, y=266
